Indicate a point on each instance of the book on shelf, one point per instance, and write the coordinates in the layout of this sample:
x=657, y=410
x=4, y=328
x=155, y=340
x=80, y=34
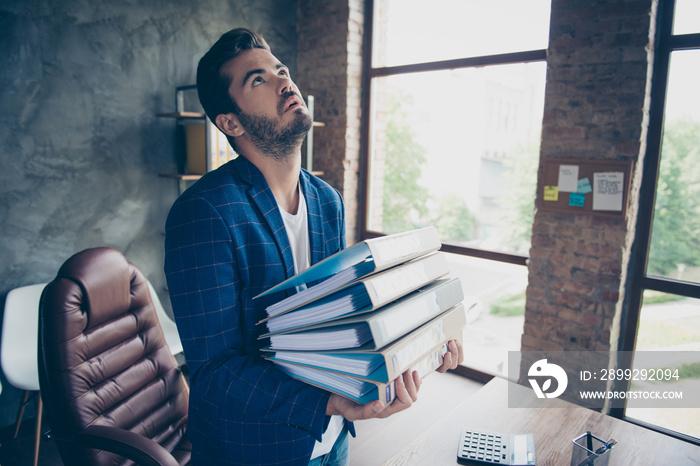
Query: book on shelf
x=356, y=389
x=425, y=342
x=374, y=330
x=195, y=140
x=206, y=146
x=219, y=151
x=366, y=257
x=364, y=295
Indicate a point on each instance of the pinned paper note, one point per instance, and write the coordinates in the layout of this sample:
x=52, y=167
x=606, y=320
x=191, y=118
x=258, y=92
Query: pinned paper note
x=608, y=190
x=584, y=186
x=551, y=193
x=577, y=199
x=568, y=178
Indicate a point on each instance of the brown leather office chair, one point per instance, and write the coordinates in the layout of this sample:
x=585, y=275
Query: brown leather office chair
x=110, y=385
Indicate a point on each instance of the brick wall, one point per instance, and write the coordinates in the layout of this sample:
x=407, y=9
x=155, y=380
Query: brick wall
x=596, y=107
x=330, y=68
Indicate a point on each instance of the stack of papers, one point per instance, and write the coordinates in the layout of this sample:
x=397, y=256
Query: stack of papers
x=363, y=295
x=336, y=337
x=355, y=389
x=367, y=314
x=333, y=283
x=358, y=364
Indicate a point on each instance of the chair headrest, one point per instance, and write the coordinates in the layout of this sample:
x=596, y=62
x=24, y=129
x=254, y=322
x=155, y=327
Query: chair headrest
x=104, y=276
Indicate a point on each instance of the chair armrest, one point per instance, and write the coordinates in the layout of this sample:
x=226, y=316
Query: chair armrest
x=140, y=449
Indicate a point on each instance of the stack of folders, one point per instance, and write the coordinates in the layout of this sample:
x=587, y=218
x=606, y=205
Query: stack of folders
x=367, y=314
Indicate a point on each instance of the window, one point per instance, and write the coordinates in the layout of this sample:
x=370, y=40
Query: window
x=414, y=31
x=455, y=108
x=665, y=307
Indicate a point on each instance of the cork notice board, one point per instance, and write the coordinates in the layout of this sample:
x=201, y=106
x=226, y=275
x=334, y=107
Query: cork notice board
x=579, y=186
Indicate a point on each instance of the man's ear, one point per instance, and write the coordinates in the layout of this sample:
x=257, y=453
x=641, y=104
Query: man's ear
x=228, y=124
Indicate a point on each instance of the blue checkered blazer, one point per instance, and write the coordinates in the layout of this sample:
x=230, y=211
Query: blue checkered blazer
x=225, y=243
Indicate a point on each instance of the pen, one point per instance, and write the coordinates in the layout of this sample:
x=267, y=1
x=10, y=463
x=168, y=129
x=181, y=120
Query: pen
x=607, y=446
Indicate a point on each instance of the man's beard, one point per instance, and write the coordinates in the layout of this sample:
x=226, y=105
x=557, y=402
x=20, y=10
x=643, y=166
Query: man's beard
x=270, y=138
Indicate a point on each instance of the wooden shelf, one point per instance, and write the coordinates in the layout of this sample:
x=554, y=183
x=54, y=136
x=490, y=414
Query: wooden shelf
x=190, y=115
x=184, y=177
x=180, y=176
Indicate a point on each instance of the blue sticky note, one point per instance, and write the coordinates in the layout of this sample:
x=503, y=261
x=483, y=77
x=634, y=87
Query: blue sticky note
x=584, y=186
x=576, y=199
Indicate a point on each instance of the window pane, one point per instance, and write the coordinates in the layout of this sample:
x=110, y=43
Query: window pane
x=495, y=324
x=416, y=31
x=670, y=323
x=675, y=241
x=685, y=18
x=458, y=149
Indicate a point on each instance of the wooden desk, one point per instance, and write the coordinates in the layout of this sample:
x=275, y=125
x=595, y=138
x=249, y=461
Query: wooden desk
x=553, y=428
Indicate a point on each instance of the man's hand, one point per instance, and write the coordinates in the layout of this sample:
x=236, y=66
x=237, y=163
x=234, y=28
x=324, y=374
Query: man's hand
x=406, y=387
x=453, y=358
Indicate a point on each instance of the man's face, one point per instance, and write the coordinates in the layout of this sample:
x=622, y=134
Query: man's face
x=272, y=112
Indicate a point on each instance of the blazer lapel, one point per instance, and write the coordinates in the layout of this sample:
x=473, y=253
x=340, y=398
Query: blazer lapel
x=261, y=196
x=313, y=208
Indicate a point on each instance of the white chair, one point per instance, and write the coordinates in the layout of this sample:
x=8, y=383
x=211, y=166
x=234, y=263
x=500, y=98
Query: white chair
x=172, y=338
x=18, y=350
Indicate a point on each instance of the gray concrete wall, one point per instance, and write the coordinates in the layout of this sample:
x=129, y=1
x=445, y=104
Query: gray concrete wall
x=81, y=82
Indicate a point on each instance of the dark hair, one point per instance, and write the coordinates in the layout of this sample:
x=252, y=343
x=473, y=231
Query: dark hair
x=212, y=84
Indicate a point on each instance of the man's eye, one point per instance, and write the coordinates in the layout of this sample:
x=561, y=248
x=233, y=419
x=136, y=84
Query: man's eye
x=284, y=73
x=257, y=80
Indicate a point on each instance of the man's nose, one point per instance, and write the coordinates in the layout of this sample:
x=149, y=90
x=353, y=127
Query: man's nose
x=285, y=84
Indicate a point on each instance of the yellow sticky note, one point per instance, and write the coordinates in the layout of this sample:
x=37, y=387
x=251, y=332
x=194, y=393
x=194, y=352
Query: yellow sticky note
x=551, y=193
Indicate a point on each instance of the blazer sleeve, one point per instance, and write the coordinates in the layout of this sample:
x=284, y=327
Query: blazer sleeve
x=206, y=288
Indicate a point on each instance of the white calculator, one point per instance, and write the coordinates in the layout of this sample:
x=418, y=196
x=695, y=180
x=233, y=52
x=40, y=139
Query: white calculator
x=483, y=447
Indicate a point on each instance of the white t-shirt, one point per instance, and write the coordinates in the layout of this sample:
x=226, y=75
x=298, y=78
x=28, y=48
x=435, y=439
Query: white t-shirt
x=297, y=226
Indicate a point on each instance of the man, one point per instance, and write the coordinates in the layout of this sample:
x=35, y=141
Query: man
x=235, y=233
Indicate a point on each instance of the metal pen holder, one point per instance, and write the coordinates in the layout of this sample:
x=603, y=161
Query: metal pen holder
x=590, y=450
